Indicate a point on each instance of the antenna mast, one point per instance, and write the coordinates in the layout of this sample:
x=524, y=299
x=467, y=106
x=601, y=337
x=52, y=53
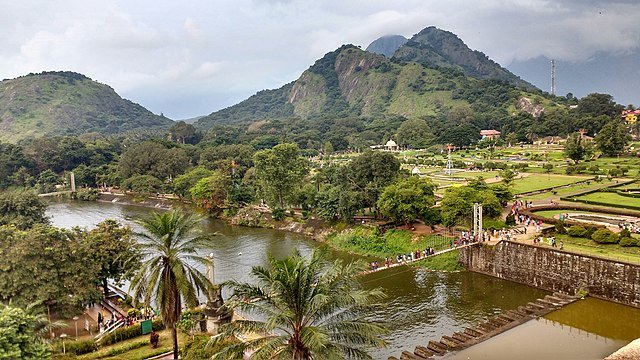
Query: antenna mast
x=553, y=76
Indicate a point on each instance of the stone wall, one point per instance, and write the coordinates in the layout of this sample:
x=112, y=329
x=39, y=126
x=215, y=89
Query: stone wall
x=556, y=270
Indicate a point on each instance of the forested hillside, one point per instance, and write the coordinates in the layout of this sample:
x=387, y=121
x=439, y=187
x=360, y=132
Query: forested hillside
x=65, y=103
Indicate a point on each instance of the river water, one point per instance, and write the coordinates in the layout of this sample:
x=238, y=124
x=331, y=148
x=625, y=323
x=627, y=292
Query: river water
x=421, y=305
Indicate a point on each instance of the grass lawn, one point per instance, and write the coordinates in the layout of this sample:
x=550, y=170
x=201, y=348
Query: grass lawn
x=609, y=251
x=365, y=241
x=612, y=198
x=535, y=182
x=115, y=351
x=569, y=190
x=443, y=262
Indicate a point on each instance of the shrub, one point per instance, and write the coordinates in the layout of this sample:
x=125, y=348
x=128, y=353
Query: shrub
x=510, y=220
x=560, y=227
x=305, y=214
x=77, y=347
x=577, y=231
x=628, y=241
x=624, y=233
x=87, y=194
x=604, y=236
x=277, y=214
x=128, y=332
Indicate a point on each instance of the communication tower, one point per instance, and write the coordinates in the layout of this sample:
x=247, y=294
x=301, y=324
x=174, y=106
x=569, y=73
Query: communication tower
x=553, y=77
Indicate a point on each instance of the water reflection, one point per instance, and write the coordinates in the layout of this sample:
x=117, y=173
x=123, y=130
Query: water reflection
x=420, y=305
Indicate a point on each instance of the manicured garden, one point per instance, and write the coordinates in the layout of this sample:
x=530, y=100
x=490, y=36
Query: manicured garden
x=587, y=246
x=534, y=182
x=610, y=199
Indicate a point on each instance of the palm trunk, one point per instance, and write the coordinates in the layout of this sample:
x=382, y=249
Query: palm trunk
x=174, y=337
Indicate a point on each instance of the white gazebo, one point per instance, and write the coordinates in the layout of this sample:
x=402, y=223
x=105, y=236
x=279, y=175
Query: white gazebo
x=391, y=146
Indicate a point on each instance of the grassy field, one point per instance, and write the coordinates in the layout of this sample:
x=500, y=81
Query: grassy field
x=612, y=198
x=118, y=350
x=365, y=241
x=535, y=182
x=569, y=190
x=609, y=251
x=444, y=262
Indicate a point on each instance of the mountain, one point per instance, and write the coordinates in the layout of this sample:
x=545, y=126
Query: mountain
x=349, y=82
x=66, y=103
x=614, y=74
x=436, y=48
x=387, y=45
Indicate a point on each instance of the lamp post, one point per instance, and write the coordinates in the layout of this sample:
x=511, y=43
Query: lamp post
x=64, y=349
x=75, y=318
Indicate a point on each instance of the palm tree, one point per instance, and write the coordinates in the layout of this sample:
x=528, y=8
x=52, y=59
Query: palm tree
x=168, y=274
x=312, y=310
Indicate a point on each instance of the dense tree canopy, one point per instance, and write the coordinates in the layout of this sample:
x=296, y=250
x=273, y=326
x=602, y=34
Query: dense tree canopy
x=612, y=139
x=407, y=200
x=457, y=205
x=279, y=172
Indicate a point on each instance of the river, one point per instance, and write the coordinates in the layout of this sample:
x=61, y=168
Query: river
x=421, y=305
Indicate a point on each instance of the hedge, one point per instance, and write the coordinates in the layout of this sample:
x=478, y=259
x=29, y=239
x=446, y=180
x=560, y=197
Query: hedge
x=577, y=231
x=78, y=347
x=628, y=241
x=129, y=332
x=604, y=236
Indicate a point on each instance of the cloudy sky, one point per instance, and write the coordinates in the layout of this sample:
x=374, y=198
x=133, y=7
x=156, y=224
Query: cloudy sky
x=191, y=57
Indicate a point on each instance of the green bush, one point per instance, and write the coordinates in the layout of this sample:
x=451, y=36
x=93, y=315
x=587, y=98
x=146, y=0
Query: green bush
x=560, y=229
x=577, y=231
x=129, y=332
x=76, y=347
x=624, y=233
x=87, y=194
x=604, y=236
x=510, y=220
x=628, y=241
x=277, y=214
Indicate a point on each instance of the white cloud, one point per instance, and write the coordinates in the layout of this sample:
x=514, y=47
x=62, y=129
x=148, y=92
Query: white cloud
x=192, y=57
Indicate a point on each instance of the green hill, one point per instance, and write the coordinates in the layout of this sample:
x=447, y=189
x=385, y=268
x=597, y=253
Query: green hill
x=436, y=48
x=432, y=74
x=65, y=103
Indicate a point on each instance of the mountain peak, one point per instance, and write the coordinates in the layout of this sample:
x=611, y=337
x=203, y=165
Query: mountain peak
x=387, y=45
x=437, y=48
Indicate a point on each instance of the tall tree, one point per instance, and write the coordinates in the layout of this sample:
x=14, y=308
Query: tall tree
x=47, y=265
x=168, y=274
x=612, y=138
x=576, y=148
x=407, y=199
x=371, y=172
x=22, y=208
x=114, y=250
x=279, y=171
x=311, y=308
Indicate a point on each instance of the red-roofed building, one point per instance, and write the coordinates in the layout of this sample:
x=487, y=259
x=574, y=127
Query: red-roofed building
x=490, y=134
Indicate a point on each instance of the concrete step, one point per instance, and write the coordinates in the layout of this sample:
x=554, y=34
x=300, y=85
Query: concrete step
x=525, y=310
x=515, y=314
x=547, y=303
x=496, y=323
x=392, y=358
x=555, y=299
x=423, y=351
x=536, y=305
x=507, y=318
x=565, y=296
x=473, y=332
x=450, y=342
x=437, y=347
x=410, y=356
x=461, y=336
x=481, y=329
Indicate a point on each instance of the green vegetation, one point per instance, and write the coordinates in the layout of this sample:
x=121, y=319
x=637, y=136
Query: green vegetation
x=137, y=348
x=609, y=199
x=533, y=182
x=366, y=241
x=310, y=309
x=589, y=247
x=62, y=103
x=443, y=262
x=165, y=276
x=19, y=338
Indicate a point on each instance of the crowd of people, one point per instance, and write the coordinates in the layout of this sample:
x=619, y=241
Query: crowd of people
x=633, y=228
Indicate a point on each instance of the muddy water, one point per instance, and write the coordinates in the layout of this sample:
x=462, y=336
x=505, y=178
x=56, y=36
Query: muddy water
x=421, y=305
